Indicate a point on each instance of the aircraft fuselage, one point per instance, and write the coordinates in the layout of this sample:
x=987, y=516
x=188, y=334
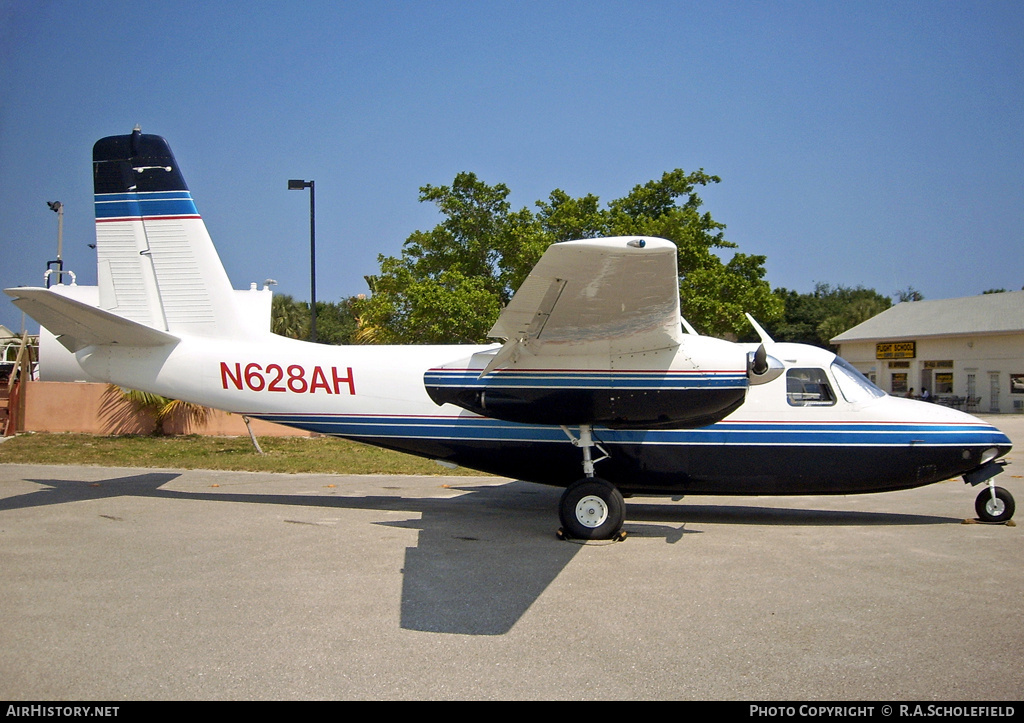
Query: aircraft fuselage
x=779, y=442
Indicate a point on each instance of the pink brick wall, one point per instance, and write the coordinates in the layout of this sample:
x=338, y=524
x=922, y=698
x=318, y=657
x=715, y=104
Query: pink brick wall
x=84, y=408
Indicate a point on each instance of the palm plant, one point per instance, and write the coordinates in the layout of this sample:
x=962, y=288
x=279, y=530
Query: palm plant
x=160, y=408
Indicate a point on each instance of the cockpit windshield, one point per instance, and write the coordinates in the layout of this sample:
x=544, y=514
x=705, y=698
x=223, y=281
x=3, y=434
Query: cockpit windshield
x=854, y=386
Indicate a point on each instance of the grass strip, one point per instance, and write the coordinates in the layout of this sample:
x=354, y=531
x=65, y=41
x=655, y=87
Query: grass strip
x=282, y=454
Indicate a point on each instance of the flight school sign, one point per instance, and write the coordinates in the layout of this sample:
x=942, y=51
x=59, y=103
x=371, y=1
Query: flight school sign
x=896, y=350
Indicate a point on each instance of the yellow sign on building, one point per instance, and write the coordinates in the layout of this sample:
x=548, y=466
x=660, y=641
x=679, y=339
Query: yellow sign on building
x=896, y=350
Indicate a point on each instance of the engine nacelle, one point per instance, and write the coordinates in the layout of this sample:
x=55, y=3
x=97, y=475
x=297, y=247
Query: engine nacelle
x=670, y=388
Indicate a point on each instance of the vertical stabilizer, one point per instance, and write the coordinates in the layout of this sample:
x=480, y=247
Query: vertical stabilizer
x=156, y=261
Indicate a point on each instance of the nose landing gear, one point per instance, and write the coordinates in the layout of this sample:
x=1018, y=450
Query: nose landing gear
x=994, y=504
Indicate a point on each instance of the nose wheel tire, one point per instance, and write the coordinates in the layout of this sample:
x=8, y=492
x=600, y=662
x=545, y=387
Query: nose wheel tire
x=994, y=505
x=591, y=509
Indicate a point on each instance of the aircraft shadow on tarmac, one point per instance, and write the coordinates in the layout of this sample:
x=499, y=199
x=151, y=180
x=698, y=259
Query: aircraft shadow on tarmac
x=726, y=514
x=482, y=558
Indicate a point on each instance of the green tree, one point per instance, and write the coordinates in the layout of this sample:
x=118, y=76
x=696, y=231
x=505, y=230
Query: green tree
x=908, y=294
x=856, y=312
x=336, y=322
x=818, y=316
x=448, y=308
x=289, y=317
x=450, y=283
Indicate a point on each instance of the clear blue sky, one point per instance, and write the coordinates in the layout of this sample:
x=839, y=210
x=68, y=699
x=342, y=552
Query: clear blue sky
x=859, y=143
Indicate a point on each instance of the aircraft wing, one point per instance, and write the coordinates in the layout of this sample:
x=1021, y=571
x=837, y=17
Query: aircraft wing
x=77, y=325
x=599, y=296
x=594, y=336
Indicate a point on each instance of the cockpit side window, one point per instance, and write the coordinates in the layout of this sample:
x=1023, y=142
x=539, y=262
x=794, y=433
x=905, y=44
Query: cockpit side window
x=855, y=387
x=809, y=387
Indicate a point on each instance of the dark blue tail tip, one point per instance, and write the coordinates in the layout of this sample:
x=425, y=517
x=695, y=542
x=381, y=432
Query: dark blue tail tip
x=136, y=162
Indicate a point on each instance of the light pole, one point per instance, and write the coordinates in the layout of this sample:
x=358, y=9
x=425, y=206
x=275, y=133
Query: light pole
x=299, y=185
x=58, y=208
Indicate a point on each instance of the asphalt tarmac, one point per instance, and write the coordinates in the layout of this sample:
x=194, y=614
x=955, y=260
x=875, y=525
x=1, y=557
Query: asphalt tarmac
x=141, y=584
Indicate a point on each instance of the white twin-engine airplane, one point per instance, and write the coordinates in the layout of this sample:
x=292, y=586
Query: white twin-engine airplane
x=600, y=386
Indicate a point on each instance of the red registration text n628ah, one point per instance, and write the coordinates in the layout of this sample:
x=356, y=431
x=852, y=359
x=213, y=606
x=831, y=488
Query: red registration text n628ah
x=293, y=378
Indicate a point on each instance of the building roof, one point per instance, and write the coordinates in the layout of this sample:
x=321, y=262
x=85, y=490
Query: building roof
x=1001, y=313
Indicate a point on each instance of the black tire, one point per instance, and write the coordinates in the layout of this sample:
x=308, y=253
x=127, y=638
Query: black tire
x=591, y=509
x=998, y=510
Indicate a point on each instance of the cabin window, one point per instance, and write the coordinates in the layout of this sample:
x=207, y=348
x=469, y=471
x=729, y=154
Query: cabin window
x=809, y=388
x=854, y=386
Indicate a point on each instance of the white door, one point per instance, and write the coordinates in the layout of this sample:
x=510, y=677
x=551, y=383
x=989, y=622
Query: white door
x=993, y=391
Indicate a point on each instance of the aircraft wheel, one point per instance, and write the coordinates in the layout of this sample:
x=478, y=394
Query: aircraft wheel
x=591, y=509
x=999, y=509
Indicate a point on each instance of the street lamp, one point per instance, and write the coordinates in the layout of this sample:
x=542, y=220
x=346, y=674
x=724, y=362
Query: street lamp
x=58, y=208
x=299, y=185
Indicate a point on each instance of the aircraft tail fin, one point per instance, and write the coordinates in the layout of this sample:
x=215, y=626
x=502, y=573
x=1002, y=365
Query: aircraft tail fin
x=156, y=263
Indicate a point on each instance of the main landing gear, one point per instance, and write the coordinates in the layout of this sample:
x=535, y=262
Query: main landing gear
x=994, y=504
x=591, y=508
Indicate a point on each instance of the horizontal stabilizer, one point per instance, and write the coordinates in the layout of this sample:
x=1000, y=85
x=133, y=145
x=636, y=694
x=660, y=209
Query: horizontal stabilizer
x=77, y=325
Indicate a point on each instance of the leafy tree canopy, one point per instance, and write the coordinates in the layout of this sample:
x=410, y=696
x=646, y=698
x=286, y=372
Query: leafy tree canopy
x=450, y=282
x=818, y=316
x=336, y=322
x=908, y=294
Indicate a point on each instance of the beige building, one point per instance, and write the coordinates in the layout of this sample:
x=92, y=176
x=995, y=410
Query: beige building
x=967, y=353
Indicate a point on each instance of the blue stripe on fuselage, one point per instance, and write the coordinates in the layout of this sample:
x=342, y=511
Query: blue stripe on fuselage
x=454, y=429
x=572, y=379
